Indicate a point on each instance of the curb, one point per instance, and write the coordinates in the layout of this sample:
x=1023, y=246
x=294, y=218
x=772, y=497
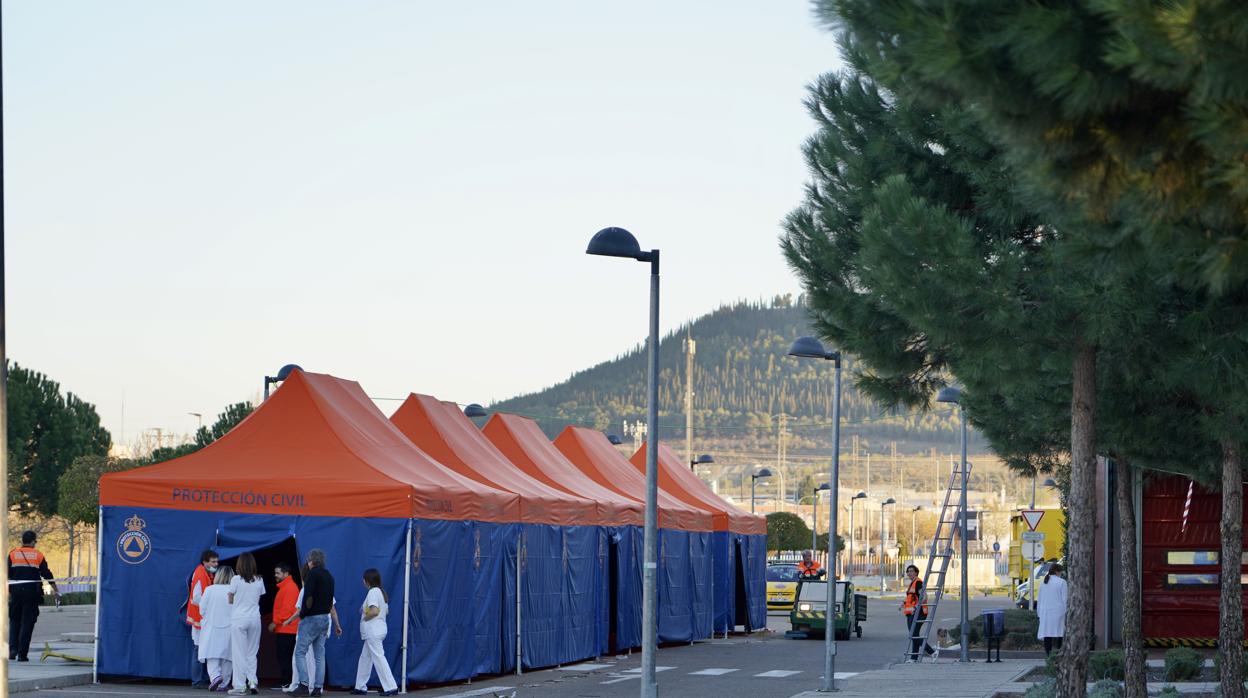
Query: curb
x=47, y=682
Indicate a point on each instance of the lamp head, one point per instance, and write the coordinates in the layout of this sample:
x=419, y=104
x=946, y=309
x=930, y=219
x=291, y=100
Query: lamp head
x=949, y=394
x=823, y=488
x=918, y=508
x=615, y=242
x=475, y=410
x=614, y=439
x=860, y=495
x=1050, y=482
x=765, y=472
x=888, y=501
x=284, y=372
x=703, y=459
x=810, y=348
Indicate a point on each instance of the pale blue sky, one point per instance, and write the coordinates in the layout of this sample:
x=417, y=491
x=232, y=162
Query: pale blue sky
x=395, y=192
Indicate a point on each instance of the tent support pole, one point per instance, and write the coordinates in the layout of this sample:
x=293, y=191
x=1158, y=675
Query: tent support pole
x=407, y=604
x=99, y=596
x=519, y=647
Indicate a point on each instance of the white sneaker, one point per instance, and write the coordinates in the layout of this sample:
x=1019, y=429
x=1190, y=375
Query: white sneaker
x=237, y=692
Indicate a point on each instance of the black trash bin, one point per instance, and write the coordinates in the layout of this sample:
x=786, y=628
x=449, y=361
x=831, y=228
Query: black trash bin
x=994, y=630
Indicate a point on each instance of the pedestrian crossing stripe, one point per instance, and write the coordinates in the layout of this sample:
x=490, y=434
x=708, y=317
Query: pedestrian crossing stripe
x=776, y=674
x=712, y=672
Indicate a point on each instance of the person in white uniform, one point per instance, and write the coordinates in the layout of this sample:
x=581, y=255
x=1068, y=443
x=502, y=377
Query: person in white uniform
x=245, y=591
x=1052, y=609
x=214, y=632
x=308, y=658
x=373, y=631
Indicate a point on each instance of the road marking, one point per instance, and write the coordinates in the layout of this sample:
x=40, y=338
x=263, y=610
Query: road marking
x=776, y=674
x=621, y=678
x=841, y=675
x=585, y=667
x=478, y=692
x=637, y=670
x=712, y=672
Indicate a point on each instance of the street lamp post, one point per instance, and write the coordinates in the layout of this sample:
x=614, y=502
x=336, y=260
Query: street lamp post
x=883, y=504
x=914, y=541
x=811, y=348
x=954, y=395
x=849, y=567
x=765, y=472
x=814, y=530
x=618, y=242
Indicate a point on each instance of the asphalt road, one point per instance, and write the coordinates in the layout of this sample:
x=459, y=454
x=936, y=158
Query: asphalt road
x=761, y=665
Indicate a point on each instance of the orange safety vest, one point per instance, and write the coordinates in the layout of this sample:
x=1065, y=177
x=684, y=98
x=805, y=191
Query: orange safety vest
x=810, y=568
x=26, y=557
x=201, y=576
x=912, y=598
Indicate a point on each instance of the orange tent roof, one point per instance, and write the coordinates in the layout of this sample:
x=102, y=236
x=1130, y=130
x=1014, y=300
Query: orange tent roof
x=317, y=447
x=678, y=480
x=590, y=451
x=443, y=431
x=522, y=441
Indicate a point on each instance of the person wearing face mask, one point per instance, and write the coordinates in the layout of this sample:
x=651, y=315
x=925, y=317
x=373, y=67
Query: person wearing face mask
x=201, y=579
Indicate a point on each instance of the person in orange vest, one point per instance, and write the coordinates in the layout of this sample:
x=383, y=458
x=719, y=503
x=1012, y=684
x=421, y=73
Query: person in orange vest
x=285, y=606
x=914, y=607
x=27, y=571
x=809, y=567
x=201, y=579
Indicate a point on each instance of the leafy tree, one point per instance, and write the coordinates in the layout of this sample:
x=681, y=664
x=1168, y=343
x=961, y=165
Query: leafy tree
x=787, y=531
x=226, y=421
x=1128, y=113
x=79, y=486
x=46, y=432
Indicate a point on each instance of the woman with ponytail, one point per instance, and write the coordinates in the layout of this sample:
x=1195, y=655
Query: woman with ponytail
x=1052, y=609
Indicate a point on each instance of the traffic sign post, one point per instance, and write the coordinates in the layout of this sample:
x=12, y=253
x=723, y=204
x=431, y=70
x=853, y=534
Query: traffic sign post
x=1032, y=517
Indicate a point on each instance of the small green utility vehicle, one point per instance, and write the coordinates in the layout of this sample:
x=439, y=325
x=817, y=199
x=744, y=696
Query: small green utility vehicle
x=809, y=615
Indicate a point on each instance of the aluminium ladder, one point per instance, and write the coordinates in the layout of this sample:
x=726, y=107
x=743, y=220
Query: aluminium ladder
x=938, y=560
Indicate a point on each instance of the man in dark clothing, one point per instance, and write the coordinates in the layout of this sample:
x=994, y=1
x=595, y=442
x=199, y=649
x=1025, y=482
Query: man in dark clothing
x=318, y=601
x=27, y=570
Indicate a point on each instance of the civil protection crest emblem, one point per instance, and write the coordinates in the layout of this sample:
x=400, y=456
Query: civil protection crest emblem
x=133, y=545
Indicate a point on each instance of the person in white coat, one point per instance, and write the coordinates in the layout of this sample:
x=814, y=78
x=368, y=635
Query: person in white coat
x=373, y=631
x=214, y=632
x=1051, y=606
x=245, y=591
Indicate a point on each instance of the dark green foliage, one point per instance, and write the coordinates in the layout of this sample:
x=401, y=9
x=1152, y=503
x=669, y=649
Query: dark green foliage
x=1044, y=689
x=1129, y=114
x=1183, y=664
x=46, y=432
x=1050, y=663
x=1105, y=688
x=787, y=531
x=226, y=421
x=1106, y=664
x=1170, y=692
x=79, y=486
x=743, y=379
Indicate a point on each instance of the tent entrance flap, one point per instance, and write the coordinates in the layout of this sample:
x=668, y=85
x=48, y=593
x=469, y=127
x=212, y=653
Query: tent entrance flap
x=613, y=594
x=267, y=558
x=741, y=610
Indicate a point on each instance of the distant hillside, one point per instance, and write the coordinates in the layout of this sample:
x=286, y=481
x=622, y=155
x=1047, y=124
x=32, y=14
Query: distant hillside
x=743, y=381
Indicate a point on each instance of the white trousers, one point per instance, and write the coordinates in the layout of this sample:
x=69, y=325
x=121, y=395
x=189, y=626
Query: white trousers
x=218, y=668
x=244, y=645
x=372, y=656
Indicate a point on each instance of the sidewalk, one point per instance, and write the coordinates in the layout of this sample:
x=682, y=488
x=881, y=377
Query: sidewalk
x=944, y=679
x=53, y=626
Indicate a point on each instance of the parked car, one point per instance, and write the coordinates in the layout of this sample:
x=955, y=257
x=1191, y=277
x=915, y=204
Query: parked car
x=781, y=585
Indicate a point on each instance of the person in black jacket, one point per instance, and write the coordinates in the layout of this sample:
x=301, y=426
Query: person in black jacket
x=27, y=571
x=318, y=601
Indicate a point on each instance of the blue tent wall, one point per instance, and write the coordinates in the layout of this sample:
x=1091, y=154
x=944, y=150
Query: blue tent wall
x=558, y=595
x=142, y=621
x=628, y=545
x=685, y=569
x=756, y=579
x=723, y=560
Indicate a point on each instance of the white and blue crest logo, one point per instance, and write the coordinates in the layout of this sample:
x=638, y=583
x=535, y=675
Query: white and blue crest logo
x=133, y=546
